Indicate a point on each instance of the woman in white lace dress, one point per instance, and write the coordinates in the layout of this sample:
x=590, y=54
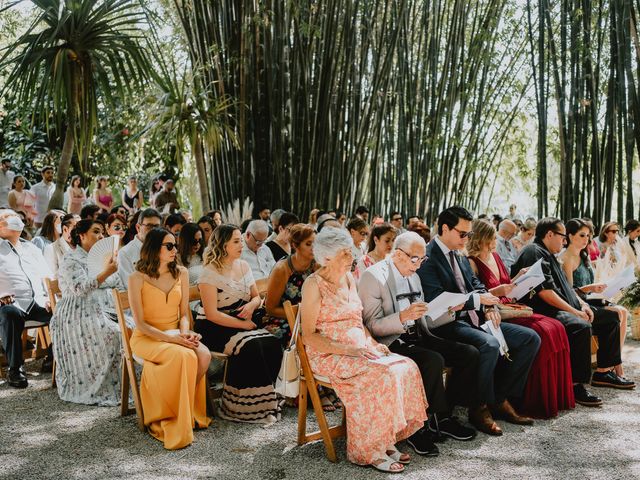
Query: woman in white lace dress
x=84, y=329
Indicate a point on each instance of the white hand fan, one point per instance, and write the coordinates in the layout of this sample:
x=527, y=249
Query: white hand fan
x=101, y=250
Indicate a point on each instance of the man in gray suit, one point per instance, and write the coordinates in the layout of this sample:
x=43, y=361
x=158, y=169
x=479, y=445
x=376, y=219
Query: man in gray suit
x=393, y=311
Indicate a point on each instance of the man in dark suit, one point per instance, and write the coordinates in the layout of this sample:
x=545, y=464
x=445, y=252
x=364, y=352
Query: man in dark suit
x=445, y=270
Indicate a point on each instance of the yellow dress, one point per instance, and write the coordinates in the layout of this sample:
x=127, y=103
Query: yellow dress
x=172, y=402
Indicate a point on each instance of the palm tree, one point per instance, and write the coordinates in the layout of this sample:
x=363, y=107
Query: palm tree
x=74, y=52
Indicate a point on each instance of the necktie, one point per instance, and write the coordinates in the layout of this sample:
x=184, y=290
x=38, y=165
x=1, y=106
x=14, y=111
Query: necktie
x=507, y=244
x=463, y=289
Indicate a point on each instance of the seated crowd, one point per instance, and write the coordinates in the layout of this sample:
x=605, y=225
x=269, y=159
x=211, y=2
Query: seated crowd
x=363, y=290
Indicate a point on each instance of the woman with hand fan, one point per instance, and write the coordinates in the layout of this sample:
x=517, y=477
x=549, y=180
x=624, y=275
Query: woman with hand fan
x=84, y=330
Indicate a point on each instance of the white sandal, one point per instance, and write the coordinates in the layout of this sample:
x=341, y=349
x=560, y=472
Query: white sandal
x=396, y=456
x=386, y=466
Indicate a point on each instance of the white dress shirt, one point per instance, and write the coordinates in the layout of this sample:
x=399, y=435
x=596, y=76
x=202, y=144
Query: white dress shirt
x=42, y=192
x=22, y=273
x=6, y=180
x=128, y=256
x=446, y=250
x=261, y=263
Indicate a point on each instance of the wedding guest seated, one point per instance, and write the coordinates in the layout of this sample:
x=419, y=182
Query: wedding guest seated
x=363, y=213
x=207, y=226
x=313, y=217
x=525, y=236
x=174, y=224
x=327, y=220
x=375, y=395
x=131, y=231
x=84, y=329
x=275, y=221
x=610, y=243
x=258, y=257
x=580, y=275
x=226, y=322
x=173, y=386
x=216, y=216
x=117, y=227
x=280, y=246
x=505, y=250
x=90, y=212
x=631, y=243
x=120, y=210
x=130, y=253
x=593, y=249
x=379, y=245
x=22, y=293
x=549, y=387
x=445, y=270
x=190, y=250
x=359, y=231
x=421, y=229
x=54, y=252
x=167, y=200
x=556, y=298
x=393, y=311
x=50, y=230
x=286, y=279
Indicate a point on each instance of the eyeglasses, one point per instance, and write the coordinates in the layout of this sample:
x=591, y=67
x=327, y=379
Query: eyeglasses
x=150, y=225
x=396, y=219
x=364, y=233
x=169, y=246
x=258, y=242
x=463, y=234
x=414, y=258
x=561, y=234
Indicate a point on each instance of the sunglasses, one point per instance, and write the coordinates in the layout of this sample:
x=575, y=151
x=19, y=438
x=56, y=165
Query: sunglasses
x=463, y=234
x=561, y=234
x=613, y=231
x=169, y=246
x=414, y=258
x=118, y=228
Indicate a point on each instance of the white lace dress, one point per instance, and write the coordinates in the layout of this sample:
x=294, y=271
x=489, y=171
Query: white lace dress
x=85, y=334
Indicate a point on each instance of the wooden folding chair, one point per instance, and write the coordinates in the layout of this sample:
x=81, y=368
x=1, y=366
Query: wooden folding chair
x=262, y=284
x=594, y=351
x=309, y=385
x=55, y=294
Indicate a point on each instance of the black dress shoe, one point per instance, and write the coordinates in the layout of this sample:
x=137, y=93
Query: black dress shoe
x=423, y=444
x=16, y=378
x=611, y=380
x=452, y=428
x=583, y=397
x=47, y=365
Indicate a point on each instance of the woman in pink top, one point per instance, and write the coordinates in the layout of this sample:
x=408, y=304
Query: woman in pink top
x=76, y=195
x=20, y=200
x=102, y=194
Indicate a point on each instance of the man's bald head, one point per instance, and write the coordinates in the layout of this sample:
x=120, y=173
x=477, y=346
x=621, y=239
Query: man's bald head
x=507, y=229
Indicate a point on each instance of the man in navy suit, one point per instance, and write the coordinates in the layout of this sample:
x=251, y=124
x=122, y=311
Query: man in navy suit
x=446, y=270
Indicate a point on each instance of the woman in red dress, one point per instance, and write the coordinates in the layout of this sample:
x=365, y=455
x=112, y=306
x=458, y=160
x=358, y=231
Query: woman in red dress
x=550, y=386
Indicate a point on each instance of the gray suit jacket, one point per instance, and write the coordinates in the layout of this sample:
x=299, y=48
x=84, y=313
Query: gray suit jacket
x=381, y=314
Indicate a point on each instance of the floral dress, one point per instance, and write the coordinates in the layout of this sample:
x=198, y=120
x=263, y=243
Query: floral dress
x=384, y=403
x=85, y=334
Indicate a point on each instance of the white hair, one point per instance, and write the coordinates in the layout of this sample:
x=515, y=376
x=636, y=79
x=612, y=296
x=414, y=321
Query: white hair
x=276, y=214
x=5, y=212
x=329, y=242
x=257, y=226
x=406, y=239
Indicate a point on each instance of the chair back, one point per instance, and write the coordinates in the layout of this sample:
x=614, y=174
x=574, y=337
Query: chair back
x=261, y=285
x=53, y=290
x=291, y=312
x=121, y=299
x=194, y=296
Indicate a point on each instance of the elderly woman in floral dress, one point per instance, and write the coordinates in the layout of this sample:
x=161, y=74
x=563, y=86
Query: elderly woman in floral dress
x=383, y=393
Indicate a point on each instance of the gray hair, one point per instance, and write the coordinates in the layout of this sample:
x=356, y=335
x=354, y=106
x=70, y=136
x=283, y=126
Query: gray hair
x=529, y=224
x=329, y=242
x=406, y=239
x=257, y=226
x=5, y=212
x=276, y=214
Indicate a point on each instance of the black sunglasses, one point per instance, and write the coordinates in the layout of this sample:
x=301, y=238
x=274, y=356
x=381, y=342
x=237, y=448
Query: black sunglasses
x=169, y=246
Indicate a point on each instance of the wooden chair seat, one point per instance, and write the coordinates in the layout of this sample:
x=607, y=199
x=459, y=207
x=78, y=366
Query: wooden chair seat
x=309, y=383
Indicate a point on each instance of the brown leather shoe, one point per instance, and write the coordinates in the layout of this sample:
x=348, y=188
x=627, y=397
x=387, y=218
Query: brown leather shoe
x=505, y=411
x=481, y=418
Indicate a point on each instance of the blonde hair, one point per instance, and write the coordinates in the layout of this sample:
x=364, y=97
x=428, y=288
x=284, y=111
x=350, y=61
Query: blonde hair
x=483, y=233
x=215, y=253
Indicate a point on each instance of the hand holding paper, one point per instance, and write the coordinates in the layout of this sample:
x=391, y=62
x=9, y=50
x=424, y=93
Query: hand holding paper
x=621, y=281
x=443, y=302
x=528, y=281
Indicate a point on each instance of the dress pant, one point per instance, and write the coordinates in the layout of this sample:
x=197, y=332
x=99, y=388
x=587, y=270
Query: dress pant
x=497, y=378
x=606, y=326
x=12, y=321
x=430, y=365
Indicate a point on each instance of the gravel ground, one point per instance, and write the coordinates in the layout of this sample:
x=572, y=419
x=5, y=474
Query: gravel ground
x=43, y=437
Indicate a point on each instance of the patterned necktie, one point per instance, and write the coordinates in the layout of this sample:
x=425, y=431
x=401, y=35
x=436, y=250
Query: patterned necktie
x=463, y=289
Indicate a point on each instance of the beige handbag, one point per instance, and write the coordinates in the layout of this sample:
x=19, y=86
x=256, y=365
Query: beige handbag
x=288, y=381
x=513, y=310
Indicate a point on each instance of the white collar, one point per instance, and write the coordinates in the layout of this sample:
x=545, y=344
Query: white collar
x=442, y=246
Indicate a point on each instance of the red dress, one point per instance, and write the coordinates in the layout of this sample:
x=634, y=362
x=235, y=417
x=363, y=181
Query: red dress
x=550, y=386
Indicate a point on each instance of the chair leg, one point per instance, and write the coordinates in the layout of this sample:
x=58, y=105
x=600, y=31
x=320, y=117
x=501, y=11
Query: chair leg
x=302, y=413
x=133, y=382
x=322, y=422
x=210, y=405
x=53, y=374
x=124, y=389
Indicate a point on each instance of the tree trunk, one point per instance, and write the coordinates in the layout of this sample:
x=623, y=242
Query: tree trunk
x=57, y=198
x=201, y=171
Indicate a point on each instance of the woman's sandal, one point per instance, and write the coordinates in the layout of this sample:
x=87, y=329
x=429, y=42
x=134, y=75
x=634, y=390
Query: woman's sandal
x=385, y=466
x=396, y=455
x=327, y=404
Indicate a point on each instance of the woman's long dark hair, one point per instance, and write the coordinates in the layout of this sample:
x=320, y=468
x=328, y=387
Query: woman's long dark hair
x=149, y=262
x=48, y=229
x=187, y=241
x=572, y=227
x=82, y=227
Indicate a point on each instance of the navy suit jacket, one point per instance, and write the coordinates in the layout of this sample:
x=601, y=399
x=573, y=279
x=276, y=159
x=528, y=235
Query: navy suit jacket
x=436, y=276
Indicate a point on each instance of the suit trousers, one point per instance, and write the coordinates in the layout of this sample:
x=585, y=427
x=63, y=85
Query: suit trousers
x=12, y=321
x=606, y=326
x=430, y=365
x=497, y=378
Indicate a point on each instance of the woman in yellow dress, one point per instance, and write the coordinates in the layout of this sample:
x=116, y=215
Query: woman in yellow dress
x=173, y=386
